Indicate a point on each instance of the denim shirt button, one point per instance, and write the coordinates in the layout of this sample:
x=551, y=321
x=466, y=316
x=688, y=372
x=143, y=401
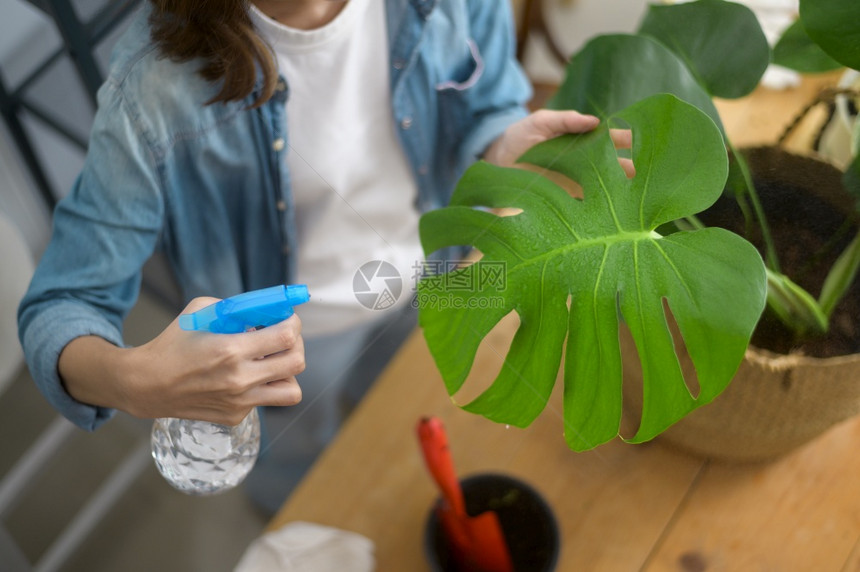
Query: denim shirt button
x=406, y=122
x=285, y=249
x=278, y=144
x=422, y=170
x=281, y=85
x=399, y=64
x=281, y=205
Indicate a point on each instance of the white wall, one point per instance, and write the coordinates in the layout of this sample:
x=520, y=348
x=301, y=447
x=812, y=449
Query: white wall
x=574, y=22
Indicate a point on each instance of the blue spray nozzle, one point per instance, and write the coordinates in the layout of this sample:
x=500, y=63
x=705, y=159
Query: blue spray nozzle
x=243, y=312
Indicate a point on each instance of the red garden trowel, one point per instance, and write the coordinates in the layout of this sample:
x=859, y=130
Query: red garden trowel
x=477, y=542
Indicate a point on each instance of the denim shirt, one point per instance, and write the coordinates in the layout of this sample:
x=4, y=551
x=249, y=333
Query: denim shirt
x=208, y=185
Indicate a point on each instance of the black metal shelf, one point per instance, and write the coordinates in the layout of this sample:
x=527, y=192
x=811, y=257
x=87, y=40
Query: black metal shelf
x=79, y=41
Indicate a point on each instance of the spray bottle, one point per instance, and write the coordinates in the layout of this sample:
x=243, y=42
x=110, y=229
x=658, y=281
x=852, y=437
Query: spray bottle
x=202, y=458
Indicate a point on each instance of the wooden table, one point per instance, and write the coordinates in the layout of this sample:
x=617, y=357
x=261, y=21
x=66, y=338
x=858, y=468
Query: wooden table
x=620, y=507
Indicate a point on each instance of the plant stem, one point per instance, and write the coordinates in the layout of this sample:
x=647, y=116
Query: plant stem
x=840, y=277
x=771, y=259
x=794, y=306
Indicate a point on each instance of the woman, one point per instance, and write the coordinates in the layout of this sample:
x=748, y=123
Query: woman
x=257, y=144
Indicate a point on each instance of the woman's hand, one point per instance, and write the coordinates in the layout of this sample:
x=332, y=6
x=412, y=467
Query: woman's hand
x=546, y=124
x=190, y=375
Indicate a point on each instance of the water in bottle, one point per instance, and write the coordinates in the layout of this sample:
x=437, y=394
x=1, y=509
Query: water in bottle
x=201, y=458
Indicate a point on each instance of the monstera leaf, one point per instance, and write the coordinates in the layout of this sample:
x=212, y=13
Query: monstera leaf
x=796, y=50
x=614, y=71
x=575, y=268
x=721, y=42
x=835, y=26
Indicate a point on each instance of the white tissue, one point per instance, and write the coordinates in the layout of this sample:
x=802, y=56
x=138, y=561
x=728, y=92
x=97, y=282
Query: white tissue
x=308, y=547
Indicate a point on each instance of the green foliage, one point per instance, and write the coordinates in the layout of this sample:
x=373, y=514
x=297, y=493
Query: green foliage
x=725, y=50
x=698, y=31
x=613, y=72
x=575, y=268
x=841, y=276
x=794, y=305
x=796, y=50
x=835, y=26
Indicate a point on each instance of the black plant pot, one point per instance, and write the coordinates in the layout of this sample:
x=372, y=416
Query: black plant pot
x=527, y=521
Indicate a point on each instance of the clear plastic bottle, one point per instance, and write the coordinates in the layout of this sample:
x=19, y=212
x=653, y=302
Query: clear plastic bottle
x=202, y=458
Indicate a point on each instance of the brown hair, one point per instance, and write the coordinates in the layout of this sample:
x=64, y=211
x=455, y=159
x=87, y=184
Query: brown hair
x=219, y=32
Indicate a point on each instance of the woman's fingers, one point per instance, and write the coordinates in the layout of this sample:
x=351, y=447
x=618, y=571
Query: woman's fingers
x=554, y=123
x=628, y=167
x=213, y=377
x=280, y=365
x=279, y=393
x=622, y=138
x=273, y=339
x=551, y=123
x=258, y=343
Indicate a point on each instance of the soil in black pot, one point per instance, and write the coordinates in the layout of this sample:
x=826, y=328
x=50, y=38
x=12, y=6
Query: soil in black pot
x=528, y=524
x=806, y=209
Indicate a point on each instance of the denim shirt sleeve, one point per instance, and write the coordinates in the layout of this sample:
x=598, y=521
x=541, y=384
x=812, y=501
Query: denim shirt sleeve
x=89, y=276
x=501, y=89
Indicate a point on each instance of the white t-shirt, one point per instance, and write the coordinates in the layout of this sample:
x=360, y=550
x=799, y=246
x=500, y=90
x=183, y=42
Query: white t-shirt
x=353, y=188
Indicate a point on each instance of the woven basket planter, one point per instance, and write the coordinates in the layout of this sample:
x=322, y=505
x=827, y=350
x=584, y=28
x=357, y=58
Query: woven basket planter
x=775, y=402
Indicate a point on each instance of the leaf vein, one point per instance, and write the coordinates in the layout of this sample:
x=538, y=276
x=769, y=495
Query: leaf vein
x=677, y=272
x=606, y=193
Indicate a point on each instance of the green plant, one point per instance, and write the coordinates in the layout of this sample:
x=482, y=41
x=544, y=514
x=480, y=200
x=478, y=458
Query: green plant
x=826, y=36
x=723, y=46
x=603, y=258
x=624, y=252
